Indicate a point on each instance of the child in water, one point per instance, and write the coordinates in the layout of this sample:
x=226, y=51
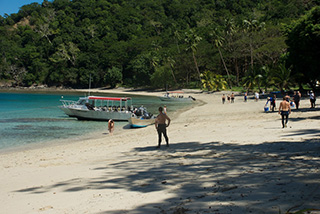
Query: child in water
x=111, y=126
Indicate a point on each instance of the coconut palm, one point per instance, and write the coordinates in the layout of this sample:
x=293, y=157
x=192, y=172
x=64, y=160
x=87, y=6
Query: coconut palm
x=218, y=43
x=212, y=81
x=192, y=41
x=252, y=27
x=219, y=82
x=251, y=79
x=207, y=80
x=282, y=77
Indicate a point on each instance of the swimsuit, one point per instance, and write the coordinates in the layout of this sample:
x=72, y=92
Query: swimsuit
x=162, y=129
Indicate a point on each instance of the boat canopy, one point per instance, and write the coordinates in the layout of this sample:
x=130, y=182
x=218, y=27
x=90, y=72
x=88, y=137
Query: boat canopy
x=109, y=98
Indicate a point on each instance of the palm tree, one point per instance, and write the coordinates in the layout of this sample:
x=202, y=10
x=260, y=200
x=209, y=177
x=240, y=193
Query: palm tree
x=219, y=82
x=251, y=79
x=193, y=40
x=251, y=27
x=266, y=77
x=171, y=62
x=212, y=81
x=282, y=77
x=206, y=80
x=218, y=42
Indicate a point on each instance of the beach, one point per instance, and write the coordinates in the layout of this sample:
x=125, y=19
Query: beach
x=223, y=158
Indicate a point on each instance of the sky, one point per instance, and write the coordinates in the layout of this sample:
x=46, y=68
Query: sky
x=13, y=6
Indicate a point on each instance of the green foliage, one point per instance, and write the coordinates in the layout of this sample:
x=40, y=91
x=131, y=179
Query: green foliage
x=161, y=77
x=251, y=79
x=113, y=76
x=212, y=81
x=304, y=45
x=62, y=42
x=282, y=77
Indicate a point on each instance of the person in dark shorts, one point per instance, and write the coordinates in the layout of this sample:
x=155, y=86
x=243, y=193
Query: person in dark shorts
x=273, y=102
x=312, y=99
x=161, y=126
x=284, y=111
x=223, y=98
x=296, y=98
x=232, y=98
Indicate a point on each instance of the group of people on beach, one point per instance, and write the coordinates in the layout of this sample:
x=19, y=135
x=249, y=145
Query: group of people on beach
x=162, y=121
x=284, y=107
x=230, y=98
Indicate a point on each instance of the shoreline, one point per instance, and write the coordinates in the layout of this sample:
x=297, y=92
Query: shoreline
x=230, y=158
x=92, y=135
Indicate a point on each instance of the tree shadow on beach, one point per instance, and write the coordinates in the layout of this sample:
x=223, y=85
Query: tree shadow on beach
x=212, y=177
x=232, y=178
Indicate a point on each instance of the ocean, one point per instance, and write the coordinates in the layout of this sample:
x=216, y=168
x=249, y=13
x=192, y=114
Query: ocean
x=31, y=119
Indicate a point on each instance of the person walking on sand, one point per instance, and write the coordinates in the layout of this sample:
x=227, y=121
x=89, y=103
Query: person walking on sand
x=223, y=98
x=284, y=111
x=161, y=126
x=296, y=98
x=312, y=99
x=111, y=126
x=273, y=102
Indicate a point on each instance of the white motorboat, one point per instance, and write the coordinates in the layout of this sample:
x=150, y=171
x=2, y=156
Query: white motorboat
x=176, y=96
x=99, y=108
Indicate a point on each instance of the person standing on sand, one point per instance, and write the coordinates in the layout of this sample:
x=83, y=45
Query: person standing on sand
x=232, y=98
x=273, y=102
x=161, y=126
x=223, y=98
x=228, y=98
x=111, y=126
x=245, y=97
x=284, y=110
x=256, y=96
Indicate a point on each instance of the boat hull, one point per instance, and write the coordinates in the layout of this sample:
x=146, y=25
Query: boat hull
x=85, y=114
x=173, y=99
x=67, y=111
x=140, y=122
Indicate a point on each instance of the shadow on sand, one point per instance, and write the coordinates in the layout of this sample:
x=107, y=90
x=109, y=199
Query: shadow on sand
x=212, y=177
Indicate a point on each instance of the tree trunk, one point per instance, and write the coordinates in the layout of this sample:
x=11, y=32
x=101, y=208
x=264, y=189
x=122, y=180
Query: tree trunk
x=225, y=67
x=195, y=62
x=174, y=78
x=236, y=67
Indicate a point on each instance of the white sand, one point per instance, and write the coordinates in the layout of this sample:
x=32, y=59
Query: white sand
x=230, y=158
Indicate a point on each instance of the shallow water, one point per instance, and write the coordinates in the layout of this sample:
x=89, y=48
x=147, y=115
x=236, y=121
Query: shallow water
x=34, y=118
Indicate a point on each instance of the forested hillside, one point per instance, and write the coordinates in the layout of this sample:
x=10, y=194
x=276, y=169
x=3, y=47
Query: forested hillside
x=181, y=43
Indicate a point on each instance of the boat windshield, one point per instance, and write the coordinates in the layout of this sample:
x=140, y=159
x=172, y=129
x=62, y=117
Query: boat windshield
x=111, y=103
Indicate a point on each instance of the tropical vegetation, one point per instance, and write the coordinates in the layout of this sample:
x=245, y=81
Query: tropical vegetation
x=206, y=44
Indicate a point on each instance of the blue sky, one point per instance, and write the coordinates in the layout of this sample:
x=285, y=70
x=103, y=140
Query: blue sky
x=13, y=6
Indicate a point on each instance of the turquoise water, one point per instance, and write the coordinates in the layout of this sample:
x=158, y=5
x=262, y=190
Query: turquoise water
x=34, y=118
